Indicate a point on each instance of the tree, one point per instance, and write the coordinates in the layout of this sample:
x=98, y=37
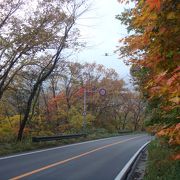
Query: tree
x=153, y=49
x=71, y=81
x=24, y=33
x=59, y=18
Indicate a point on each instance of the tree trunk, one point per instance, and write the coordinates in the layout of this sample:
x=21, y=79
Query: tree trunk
x=46, y=104
x=26, y=114
x=124, y=121
x=42, y=77
x=136, y=119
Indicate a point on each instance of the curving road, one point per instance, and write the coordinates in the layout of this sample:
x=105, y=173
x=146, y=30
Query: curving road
x=93, y=160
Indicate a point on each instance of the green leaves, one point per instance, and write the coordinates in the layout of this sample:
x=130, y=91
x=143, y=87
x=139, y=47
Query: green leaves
x=170, y=54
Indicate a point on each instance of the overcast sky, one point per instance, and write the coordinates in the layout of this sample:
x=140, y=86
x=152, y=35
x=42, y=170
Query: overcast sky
x=101, y=31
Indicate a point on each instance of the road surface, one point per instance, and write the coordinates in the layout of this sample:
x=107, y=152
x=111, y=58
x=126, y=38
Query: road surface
x=93, y=160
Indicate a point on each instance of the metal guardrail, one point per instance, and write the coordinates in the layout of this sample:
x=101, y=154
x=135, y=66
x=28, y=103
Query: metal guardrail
x=59, y=137
x=124, y=132
x=126, y=171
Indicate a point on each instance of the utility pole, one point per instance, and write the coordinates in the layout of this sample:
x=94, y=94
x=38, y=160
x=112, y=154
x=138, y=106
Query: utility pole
x=84, y=112
x=102, y=92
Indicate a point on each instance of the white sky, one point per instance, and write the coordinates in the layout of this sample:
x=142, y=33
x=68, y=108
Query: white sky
x=102, y=31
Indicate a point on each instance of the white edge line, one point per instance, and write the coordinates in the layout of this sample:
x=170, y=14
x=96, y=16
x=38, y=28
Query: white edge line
x=127, y=166
x=60, y=147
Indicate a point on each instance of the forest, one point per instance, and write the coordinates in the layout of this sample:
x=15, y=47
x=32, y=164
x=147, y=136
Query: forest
x=42, y=87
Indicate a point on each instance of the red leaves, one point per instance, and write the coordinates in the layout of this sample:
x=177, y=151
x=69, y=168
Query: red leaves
x=176, y=156
x=80, y=92
x=160, y=77
x=52, y=104
x=172, y=80
x=177, y=70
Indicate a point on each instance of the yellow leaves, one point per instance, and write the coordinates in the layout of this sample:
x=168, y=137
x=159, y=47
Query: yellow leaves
x=153, y=16
x=171, y=15
x=149, y=84
x=9, y=127
x=178, y=6
x=175, y=100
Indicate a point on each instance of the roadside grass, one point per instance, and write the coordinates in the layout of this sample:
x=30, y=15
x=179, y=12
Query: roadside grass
x=160, y=165
x=9, y=148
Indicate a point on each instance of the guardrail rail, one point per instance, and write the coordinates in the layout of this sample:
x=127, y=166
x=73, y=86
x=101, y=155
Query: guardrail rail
x=128, y=168
x=58, y=137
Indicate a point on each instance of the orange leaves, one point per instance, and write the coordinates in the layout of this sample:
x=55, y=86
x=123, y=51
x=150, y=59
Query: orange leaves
x=173, y=133
x=160, y=77
x=154, y=4
x=175, y=100
x=166, y=85
x=154, y=129
x=155, y=46
x=52, y=104
x=164, y=132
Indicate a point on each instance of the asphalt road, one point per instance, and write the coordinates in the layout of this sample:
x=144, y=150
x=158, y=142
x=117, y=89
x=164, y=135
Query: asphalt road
x=94, y=160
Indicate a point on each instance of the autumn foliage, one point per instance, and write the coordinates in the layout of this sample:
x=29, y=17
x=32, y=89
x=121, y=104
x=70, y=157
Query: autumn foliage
x=153, y=50
x=156, y=47
x=173, y=133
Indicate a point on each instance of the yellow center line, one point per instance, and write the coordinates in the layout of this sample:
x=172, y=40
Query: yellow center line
x=69, y=159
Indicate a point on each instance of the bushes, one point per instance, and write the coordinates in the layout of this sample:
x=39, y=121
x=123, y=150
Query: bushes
x=161, y=164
